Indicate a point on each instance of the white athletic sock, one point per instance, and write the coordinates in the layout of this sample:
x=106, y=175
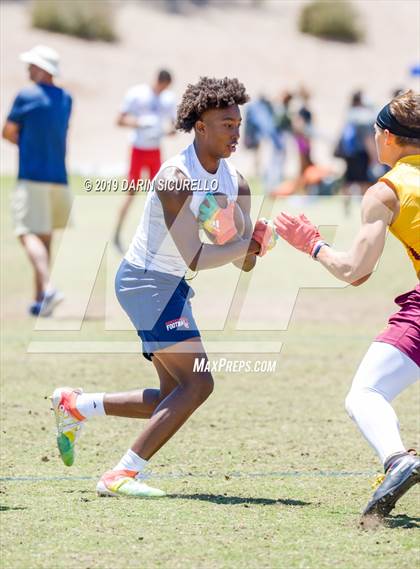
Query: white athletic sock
x=90, y=404
x=383, y=373
x=131, y=461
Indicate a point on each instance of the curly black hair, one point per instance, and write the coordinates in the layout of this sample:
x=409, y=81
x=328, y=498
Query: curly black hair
x=208, y=93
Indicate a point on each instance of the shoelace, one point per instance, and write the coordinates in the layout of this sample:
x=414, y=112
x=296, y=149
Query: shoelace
x=64, y=425
x=71, y=426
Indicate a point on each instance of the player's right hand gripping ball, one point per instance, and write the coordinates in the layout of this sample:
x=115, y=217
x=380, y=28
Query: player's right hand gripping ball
x=218, y=221
x=265, y=234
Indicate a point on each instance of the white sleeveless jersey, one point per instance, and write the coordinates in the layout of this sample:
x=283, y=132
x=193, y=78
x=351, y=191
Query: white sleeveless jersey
x=152, y=247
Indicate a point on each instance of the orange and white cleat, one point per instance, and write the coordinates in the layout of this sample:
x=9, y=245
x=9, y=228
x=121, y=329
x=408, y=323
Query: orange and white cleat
x=124, y=483
x=69, y=421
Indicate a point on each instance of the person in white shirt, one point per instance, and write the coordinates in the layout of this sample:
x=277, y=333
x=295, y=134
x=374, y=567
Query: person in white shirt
x=150, y=110
x=151, y=286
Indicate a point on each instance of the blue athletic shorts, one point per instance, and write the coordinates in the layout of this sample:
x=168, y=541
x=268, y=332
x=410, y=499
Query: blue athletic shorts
x=158, y=305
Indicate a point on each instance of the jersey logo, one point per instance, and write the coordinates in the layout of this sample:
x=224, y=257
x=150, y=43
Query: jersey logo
x=178, y=323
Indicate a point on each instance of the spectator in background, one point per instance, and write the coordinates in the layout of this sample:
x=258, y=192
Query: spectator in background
x=259, y=126
x=146, y=109
x=356, y=146
x=282, y=124
x=41, y=202
x=302, y=128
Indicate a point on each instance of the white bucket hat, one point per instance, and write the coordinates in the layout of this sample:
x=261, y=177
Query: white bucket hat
x=44, y=57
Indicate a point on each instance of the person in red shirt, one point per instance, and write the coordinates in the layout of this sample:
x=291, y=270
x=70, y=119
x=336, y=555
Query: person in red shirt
x=150, y=110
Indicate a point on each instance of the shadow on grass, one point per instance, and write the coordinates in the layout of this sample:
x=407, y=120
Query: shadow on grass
x=7, y=508
x=403, y=521
x=235, y=500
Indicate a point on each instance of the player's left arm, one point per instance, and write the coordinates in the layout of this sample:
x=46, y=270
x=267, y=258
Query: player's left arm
x=379, y=207
x=244, y=202
x=356, y=265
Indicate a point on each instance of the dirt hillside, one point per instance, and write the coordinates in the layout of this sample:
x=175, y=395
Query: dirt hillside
x=261, y=46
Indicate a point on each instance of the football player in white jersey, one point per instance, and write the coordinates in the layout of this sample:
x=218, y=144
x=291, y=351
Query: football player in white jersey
x=152, y=289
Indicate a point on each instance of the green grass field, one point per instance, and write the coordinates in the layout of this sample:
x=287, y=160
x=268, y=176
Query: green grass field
x=270, y=472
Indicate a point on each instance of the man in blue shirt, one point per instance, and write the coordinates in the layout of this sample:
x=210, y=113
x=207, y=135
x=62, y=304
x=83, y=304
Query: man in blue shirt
x=41, y=202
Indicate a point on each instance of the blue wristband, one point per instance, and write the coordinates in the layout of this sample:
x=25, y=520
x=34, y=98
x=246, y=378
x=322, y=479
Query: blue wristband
x=318, y=248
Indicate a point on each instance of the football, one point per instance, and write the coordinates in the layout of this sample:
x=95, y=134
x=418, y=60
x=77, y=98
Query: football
x=238, y=217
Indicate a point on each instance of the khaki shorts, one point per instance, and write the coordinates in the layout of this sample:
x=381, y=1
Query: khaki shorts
x=40, y=207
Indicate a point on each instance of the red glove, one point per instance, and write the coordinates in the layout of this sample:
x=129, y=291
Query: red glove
x=264, y=234
x=298, y=231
